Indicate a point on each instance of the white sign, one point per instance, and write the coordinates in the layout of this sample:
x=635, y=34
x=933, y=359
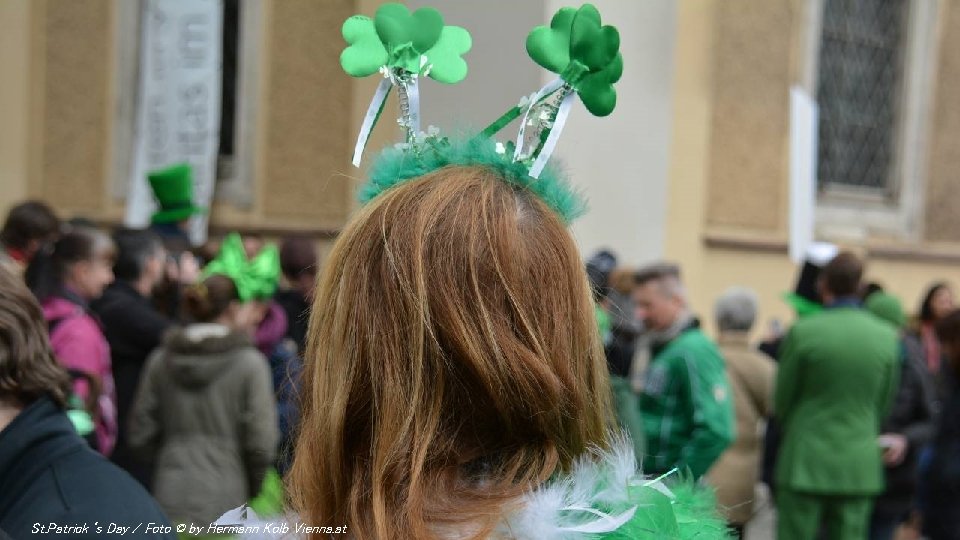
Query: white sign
x=178, y=108
x=803, y=171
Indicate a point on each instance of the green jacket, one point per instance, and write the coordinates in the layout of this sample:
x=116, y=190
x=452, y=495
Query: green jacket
x=836, y=380
x=687, y=406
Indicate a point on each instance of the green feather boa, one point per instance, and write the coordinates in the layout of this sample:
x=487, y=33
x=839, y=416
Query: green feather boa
x=405, y=162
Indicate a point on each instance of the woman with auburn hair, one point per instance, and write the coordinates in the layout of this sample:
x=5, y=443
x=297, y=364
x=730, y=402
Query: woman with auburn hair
x=454, y=383
x=469, y=370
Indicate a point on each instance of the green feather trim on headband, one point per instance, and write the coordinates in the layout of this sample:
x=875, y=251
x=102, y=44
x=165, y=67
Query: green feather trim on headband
x=405, y=162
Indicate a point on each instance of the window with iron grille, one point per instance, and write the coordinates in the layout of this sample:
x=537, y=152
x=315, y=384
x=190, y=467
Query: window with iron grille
x=859, y=90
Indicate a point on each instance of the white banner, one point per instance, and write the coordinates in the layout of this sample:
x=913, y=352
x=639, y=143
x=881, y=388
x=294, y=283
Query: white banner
x=178, y=107
x=803, y=172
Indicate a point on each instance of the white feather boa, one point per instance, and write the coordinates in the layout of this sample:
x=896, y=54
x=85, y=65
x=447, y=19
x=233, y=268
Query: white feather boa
x=563, y=509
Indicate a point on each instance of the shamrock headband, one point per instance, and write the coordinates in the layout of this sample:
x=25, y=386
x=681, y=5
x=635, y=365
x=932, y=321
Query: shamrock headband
x=254, y=279
x=403, y=46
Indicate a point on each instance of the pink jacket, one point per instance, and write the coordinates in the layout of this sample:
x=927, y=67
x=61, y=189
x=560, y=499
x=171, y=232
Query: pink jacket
x=78, y=343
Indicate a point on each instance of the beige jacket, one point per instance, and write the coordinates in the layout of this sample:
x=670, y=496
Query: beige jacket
x=752, y=376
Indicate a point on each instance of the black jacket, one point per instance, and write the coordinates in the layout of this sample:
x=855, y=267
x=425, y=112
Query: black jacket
x=912, y=415
x=134, y=329
x=49, y=475
x=942, y=476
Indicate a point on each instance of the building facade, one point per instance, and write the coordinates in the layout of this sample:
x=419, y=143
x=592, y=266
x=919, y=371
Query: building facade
x=692, y=166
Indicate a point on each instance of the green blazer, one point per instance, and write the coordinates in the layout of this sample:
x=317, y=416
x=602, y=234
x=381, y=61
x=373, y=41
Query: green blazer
x=836, y=380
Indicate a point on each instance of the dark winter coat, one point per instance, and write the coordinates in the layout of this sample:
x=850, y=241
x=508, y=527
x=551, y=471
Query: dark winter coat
x=912, y=415
x=205, y=414
x=297, y=308
x=286, y=367
x=49, y=474
x=134, y=329
x=942, y=477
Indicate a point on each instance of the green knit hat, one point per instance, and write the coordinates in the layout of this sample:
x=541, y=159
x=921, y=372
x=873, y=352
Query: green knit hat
x=886, y=307
x=173, y=190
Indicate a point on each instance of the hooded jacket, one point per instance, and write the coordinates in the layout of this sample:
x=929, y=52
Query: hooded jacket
x=48, y=474
x=205, y=415
x=78, y=342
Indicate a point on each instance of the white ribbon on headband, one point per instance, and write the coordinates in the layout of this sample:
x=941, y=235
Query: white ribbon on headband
x=550, y=88
x=550, y=144
x=555, y=128
x=409, y=89
x=373, y=112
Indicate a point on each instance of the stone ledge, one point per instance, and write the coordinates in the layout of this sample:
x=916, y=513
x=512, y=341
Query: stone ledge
x=756, y=243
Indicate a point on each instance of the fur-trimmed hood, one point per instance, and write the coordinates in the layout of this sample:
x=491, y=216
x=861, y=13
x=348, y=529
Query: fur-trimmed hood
x=197, y=354
x=603, y=497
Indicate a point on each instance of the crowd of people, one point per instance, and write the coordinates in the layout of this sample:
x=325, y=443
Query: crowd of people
x=201, y=404
x=455, y=370
x=181, y=371
x=849, y=417
x=186, y=373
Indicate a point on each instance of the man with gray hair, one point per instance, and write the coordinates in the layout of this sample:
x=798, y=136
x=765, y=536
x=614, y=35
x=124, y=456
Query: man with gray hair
x=685, y=399
x=752, y=375
x=133, y=327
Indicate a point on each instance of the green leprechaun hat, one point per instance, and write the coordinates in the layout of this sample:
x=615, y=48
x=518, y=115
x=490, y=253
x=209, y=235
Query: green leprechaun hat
x=173, y=190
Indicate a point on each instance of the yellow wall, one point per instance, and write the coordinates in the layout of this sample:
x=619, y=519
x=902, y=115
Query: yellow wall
x=760, y=261
x=690, y=143
x=59, y=104
x=300, y=42
x=14, y=65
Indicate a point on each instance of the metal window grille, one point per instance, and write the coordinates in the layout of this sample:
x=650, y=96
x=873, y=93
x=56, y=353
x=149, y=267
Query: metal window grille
x=860, y=70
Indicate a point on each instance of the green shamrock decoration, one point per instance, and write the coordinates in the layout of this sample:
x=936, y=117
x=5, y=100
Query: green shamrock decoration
x=584, y=53
x=396, y=39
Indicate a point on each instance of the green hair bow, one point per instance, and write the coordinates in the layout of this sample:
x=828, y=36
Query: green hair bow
x=402, y=46
x=254, y=279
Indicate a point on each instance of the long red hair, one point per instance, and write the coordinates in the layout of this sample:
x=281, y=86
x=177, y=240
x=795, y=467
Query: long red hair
x=453, y=361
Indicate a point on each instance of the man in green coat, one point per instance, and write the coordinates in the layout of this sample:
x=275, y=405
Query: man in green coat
x=837, y=377
x=685, y=399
